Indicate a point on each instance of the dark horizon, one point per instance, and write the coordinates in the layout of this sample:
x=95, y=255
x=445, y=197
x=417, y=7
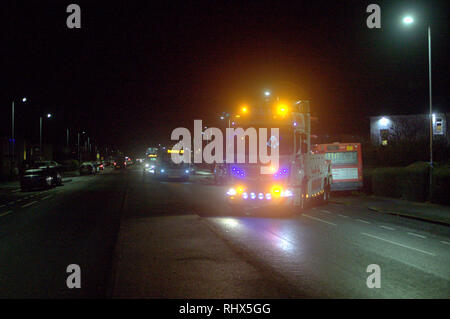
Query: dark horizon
x=135, y=71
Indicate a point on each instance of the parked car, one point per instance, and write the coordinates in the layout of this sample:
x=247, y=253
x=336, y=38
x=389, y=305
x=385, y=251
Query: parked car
x=45, y=164
x=87, y=168
x=56, y=175
x=36, y=178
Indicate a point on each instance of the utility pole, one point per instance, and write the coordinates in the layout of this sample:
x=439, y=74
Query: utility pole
x=431, y=114
x=40, y=137
x=12, y=142
x=79, y=159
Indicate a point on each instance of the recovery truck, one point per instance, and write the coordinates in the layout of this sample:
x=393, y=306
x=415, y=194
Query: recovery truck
x=301, y=178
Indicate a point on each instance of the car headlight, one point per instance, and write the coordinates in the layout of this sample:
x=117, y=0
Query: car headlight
x=231, y=192
x=146, y=165
x=186, y=171
x=162, y=170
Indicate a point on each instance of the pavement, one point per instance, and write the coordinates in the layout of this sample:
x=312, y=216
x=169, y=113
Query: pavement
x=137, y=237
x=42, y=232
x=427, y=212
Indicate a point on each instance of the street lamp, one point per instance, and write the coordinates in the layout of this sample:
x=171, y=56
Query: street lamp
x=13, y=141
x=40, y=133
x=408, y=20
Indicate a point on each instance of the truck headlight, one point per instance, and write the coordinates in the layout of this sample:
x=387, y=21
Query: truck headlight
x=231, y=192
x=286, y=193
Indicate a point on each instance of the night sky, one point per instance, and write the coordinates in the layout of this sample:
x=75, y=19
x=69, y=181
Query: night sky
x=137, y=69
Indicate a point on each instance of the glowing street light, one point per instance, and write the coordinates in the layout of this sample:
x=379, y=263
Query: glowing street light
x=384, y=121
x=267, y=93
x=408, y=20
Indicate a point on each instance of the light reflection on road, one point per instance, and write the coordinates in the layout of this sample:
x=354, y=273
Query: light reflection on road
x=272, y=232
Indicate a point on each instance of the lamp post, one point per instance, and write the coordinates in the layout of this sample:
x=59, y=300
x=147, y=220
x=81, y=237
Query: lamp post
x=408, y=20
x=13, y=141
x=40, y=132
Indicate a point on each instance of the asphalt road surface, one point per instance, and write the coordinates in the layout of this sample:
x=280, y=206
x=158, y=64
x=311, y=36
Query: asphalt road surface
x=136, y=237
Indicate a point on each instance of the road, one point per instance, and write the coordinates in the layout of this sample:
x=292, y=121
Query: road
x=136, y=237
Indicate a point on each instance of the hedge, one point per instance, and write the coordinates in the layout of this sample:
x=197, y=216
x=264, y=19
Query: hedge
x=410, y=183
x=441, y=185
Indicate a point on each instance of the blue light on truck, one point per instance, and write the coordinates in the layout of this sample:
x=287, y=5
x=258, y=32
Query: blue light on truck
x=238, y=172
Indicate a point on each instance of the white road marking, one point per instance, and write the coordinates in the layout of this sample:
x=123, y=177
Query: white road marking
x=15, y=191
x=47, y=197
x=398, y=244
x=363, y=221
x=417, y=235
x=19, y=200
x=325, y=211
x=2, y=205
x=29, y=204
x=444, y=242
x=10, y=203
x=387, y=227
x=6, y=213
x=318, y=219
x=345, y=216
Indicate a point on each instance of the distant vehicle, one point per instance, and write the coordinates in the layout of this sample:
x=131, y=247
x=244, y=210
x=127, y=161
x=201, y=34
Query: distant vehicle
x=101, y=166
x=220, y=174
x=87, y=168
x=129, y=161
x=97, y=166
x=149, y=167
x=120, y=164
x=165, y=168
x=346, y=165
x=36, y=178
